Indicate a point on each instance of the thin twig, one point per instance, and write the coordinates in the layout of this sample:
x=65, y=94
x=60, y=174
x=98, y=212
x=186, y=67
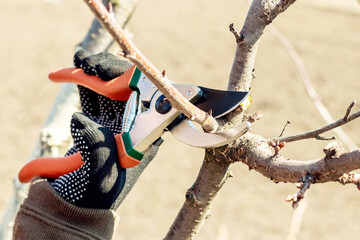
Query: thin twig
x=284, y=129
x=348, y=110
x=162, y=83
x=317, y=132
x=318, y=137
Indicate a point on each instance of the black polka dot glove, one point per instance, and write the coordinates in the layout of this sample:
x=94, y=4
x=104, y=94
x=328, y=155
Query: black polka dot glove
x=100, y=182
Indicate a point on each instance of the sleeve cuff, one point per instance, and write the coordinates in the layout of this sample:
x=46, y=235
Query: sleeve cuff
x=45, y=215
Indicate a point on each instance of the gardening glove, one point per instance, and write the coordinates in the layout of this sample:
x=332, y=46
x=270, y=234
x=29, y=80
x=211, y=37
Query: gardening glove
x=101, y=182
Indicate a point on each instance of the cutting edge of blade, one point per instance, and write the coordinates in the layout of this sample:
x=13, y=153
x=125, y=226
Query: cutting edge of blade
x=244, y=103
x=188, y=134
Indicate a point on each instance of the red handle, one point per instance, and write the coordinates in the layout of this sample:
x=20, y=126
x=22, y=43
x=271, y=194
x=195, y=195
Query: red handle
x=50, y=167
x=57, y=167
x=116, y=89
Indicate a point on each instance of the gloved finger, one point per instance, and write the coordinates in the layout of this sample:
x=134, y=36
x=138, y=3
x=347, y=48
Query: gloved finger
x=105, y=65
x=111, y=67
x=100, y=180
x=79, y=57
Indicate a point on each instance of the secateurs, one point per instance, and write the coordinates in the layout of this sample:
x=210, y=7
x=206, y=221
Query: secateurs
x=148, y=115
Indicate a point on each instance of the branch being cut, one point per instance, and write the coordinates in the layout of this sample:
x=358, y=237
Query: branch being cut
x=208, y=123
x=97, y=38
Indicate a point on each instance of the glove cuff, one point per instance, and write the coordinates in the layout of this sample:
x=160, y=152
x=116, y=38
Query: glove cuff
x=45, y=215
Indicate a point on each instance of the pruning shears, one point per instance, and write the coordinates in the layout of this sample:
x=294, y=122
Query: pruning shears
x=147, y=116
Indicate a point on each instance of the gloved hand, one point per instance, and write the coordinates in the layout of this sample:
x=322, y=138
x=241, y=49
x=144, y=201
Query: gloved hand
x=100, y=181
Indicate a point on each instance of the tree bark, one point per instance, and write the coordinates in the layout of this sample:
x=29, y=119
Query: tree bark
x=254, y=151
x=260, y=14
x=199, y=198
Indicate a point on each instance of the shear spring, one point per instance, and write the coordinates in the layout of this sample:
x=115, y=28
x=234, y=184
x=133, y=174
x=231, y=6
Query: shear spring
x=131, y=110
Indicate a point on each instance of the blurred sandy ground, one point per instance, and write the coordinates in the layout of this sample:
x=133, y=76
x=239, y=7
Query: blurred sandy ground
x=190, y=39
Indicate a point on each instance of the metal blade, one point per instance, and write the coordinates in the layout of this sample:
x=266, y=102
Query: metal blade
x=220, y=102
x=188, y=134
x=146, y=88
x=150, y=125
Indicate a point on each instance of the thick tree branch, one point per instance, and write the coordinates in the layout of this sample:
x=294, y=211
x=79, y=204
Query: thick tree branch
x=199, y=199
x=261, y=14
x=254, y=151
x=160, y=81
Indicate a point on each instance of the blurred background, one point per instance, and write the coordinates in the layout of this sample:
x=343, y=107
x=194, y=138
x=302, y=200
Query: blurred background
x=191, y=40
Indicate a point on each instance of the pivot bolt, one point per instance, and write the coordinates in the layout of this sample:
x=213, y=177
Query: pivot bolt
x=162, y=105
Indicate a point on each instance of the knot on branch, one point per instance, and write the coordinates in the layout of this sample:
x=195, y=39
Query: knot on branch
x=191, y=198
x=225, y=155
x=352, y=178
x=333, y=150
x=252, y=118
x=271, y=9
x=238, y=35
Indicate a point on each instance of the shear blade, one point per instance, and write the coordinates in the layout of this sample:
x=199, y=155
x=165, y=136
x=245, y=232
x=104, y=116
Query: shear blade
x=220, y=102
x=187, y=133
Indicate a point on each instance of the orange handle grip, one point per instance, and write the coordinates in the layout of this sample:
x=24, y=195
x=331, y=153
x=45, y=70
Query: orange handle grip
x=116, y=89
x=50, y=167
x=57, y=167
